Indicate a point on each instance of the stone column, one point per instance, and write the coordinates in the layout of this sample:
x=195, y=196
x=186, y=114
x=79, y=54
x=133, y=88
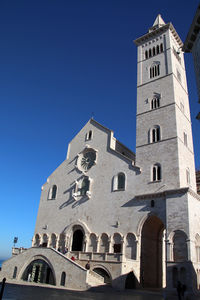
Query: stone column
x=98, y=243
x=86, y=241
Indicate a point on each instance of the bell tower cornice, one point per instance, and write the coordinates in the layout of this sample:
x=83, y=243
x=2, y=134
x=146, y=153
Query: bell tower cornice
x=158, y=31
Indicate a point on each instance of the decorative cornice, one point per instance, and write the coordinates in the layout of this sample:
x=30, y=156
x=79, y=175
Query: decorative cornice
x=158, y=31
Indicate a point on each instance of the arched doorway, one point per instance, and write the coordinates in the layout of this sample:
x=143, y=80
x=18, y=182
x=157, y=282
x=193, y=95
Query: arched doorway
x=39, y=271
x=104, y=274
x=151, y=270
x=130, y=282
x=77, y=244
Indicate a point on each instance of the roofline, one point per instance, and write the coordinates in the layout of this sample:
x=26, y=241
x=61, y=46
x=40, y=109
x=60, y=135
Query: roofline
x=193, y=32
x=148, y=35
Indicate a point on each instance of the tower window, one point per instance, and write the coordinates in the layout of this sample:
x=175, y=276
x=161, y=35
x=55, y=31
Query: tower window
x=146, y=54
x=157, y=49
x=155, y=70
x=156, y=172
x=185, y=138
x=154, y=51
x=178, y=75
x=150, y=54
x=155, y=103
x=161, y=47
x=188, y=176
x=155, y=134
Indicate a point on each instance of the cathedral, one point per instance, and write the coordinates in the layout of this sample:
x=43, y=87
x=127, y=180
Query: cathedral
x=133, y=218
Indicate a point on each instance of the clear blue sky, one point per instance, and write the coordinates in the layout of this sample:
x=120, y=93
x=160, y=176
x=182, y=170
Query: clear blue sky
x=61, y=61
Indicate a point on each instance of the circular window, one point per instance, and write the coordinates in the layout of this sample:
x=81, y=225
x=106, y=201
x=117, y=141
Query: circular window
x=86, y=160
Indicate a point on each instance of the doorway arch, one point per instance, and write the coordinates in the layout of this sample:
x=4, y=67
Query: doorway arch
x=77, y=243
x=104, y=274
x=151, y=266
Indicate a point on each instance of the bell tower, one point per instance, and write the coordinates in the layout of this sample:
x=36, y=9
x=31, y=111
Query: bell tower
x=164, y=144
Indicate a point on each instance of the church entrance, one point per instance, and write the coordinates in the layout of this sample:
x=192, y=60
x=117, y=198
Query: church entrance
x=152, y=249
x=77, y=244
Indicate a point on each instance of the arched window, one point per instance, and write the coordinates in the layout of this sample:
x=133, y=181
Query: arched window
x=52, y=192
x=155, y=103
x=104, y=244
x=44, y=240
x=53, y=240
x=188, y=176
x=117, y=247
x=62, y=279
x=156, y=172
x=37, y=240
x=154, y=70
x=131, y=246
x=146, y=54
x=154, y=51
x=150, y=53
x=155, y=135
x=157, y=49
x=119, y=182
x=92, y=247
x=161, y=47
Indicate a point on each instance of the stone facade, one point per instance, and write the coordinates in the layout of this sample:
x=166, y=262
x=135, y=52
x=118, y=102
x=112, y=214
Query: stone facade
x=135, y=218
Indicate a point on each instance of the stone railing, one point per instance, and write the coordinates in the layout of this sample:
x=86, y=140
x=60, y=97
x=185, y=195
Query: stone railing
x=111, y=257
x=16, y=251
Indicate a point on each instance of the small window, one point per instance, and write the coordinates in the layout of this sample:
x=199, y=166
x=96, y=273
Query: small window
x=150, y=53
x=119, y=182
x=52, y=192
x=157, y=49
x=146, y=54
x=178, y=75
x=154, y=51
x=161, y=47
x=185, y=139
x=182, y=106
x=156, y=172
x=88, y=136
x=62, y=280
x=15, y=272
x=152, y=203
x=188, y=176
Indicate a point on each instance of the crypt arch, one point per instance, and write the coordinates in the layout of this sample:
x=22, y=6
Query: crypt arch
x=40, y=269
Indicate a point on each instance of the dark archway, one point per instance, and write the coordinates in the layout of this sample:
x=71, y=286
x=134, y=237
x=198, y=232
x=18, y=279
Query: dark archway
x=39, y=271
x=130, y=282
x=104, y=274
x=77, y=244
x=151, y=253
